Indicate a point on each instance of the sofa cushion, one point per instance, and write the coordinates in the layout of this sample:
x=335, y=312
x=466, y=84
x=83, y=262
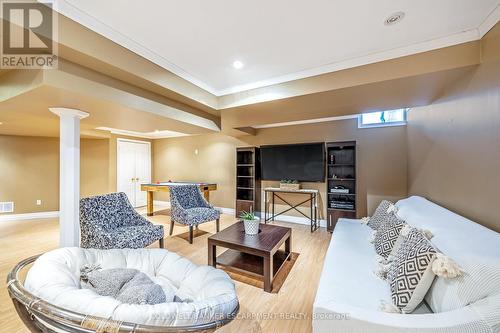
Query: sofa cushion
x=347, y=276
x=380, y=215
x=202, y=214
x=411, y=272
x=136, y=236
x=387, y=234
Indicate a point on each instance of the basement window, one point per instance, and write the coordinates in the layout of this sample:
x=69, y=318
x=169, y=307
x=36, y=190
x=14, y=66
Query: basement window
x=382, y=118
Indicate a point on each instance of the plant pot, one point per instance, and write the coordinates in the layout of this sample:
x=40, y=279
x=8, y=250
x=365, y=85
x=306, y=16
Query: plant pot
x=251, y=226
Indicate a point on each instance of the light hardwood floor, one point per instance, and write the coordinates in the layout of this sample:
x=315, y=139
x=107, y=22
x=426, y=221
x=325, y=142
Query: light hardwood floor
x=290, y=309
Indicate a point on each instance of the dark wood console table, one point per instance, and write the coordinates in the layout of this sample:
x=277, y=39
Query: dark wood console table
x=312, y=199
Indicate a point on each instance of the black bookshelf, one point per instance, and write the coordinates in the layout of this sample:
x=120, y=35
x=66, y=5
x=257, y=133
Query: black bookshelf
x=248, y=182
x=341, y=173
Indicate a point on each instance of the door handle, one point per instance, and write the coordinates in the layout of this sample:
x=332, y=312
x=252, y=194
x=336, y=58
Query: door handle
x=133, y=179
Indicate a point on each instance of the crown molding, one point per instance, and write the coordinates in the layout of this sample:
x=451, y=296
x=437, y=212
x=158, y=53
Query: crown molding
x=489, y=22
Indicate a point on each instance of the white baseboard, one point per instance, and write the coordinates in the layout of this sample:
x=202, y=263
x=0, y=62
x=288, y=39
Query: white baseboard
x=227, y=211
x=161, y=203
x=298, y=220
x=29, y=216
x=283, y=218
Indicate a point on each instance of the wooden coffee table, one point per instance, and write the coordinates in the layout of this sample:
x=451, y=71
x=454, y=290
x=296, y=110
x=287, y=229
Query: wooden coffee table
x=257, y=255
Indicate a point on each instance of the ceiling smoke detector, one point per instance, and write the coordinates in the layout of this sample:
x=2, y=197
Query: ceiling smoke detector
x=394, y=18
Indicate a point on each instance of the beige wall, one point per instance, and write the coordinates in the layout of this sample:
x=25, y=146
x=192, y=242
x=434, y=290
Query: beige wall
x=381, y=159
x=29, y=170
x=94, y=167
x=175, y=159
x=454, y=144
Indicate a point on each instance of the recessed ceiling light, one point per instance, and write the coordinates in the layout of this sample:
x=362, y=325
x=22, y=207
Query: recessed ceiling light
x=394, y=18
x=238, y=64
x=1, y=123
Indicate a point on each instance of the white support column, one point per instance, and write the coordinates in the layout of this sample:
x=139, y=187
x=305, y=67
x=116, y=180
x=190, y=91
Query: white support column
x=69, y=175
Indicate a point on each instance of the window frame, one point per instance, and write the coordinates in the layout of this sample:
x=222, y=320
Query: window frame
x=386, y=124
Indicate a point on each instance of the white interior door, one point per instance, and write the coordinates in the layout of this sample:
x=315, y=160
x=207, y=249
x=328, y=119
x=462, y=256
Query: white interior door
x=142, y=171
x=133, y=168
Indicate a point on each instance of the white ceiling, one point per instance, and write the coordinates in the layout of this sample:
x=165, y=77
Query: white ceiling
x=278, y=40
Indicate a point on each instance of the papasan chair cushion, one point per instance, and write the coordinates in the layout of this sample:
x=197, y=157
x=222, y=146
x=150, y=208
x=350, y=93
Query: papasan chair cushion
x=202, y=293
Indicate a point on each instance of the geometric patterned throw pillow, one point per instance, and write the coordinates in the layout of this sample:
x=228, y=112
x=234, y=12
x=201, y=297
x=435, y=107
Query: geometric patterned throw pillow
x=380, y=215
x=387, y=235
x=405, y=242
x=411, y=275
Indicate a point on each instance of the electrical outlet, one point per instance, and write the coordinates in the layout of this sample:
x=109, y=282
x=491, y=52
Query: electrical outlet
x=39, y=202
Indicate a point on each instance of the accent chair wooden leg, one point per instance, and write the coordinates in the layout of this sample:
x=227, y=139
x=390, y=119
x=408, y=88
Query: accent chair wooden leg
x=171, y=227
x=162, y=243
x=190, y=234
x=217, y=225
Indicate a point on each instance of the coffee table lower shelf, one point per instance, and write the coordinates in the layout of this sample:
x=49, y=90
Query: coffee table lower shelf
x=250, y=264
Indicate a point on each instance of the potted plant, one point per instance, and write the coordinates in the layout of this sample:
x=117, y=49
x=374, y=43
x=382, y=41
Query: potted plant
x=251, y=223
x=287, y=184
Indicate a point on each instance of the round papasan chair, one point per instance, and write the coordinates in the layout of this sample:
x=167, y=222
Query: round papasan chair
x=53, y=300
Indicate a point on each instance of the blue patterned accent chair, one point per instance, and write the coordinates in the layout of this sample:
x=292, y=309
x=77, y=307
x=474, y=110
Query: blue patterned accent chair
x=110, y=222
x=189, y=207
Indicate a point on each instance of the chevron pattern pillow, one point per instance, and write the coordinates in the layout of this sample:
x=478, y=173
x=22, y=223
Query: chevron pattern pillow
x=380, y=215
x=387, y=234
x=411, y=275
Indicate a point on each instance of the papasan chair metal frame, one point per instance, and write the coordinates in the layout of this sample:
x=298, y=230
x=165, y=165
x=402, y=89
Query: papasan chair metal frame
x=41, y=316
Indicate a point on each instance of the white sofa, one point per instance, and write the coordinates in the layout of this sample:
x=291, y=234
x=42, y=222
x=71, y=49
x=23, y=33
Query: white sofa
x=349, y=293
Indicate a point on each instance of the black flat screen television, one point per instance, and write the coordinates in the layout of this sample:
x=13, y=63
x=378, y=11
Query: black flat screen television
x=304, y=162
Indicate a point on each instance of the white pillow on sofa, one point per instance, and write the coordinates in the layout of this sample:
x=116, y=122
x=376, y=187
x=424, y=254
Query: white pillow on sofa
x=480, y=279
